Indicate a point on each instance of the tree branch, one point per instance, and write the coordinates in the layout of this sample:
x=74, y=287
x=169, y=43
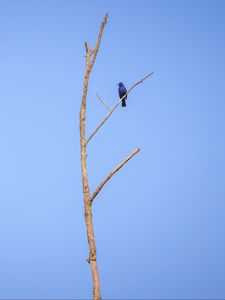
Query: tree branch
x=95, y=51
x=115, y=107
x=112, y=173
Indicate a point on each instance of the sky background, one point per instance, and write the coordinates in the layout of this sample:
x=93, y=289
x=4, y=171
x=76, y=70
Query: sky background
x=159, y=223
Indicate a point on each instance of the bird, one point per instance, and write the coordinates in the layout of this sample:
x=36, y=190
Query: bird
x=122, y=91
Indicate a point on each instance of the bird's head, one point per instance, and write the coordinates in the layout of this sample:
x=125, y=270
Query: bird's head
x=120, y=84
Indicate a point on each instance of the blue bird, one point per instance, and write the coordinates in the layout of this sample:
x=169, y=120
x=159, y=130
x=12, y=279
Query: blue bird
x=122, y=91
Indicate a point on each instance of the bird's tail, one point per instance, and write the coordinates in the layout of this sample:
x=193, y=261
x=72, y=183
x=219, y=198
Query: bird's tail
x=123, y=103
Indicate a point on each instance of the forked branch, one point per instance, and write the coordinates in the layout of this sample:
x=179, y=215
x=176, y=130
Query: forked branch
x=115, y=107
x=112, y=173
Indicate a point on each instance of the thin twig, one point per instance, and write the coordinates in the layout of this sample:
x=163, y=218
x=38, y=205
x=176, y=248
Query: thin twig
x=103, y=102
x=111, y=174
x=115, y=107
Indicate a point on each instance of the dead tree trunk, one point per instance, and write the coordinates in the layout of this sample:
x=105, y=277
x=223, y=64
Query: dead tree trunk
x=88, y=199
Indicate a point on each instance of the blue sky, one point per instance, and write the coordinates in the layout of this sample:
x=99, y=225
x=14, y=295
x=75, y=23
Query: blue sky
x=159, y=223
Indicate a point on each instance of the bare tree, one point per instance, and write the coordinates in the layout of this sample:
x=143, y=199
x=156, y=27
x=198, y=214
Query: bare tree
x=88, y=198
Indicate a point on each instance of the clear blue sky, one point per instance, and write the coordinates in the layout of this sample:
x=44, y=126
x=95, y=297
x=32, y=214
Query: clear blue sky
x=159, y=223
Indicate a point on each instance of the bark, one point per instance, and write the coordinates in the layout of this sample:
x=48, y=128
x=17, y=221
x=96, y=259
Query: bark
x=90, y=59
